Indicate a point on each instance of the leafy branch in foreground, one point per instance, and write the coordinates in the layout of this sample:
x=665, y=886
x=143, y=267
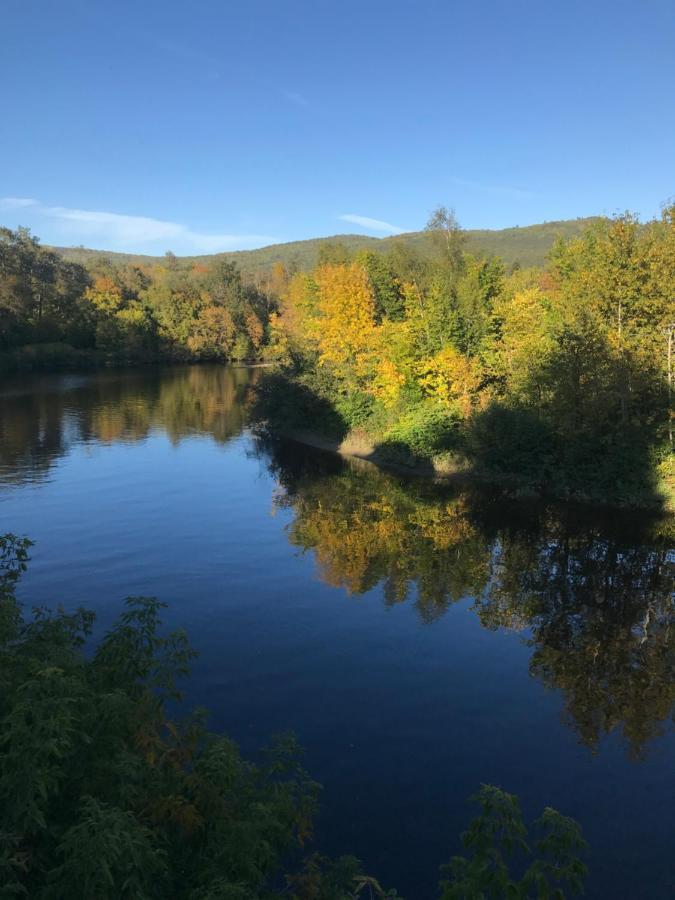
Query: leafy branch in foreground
x=499, y=833
x=104, y=795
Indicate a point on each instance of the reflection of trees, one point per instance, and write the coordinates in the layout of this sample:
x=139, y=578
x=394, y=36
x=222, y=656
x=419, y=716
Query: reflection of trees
x=595, y=594
x=39, y=426
x=32, y=435
x=365, y=528
x=599, y=605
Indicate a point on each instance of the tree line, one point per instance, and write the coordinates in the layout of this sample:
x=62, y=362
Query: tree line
x=56, y=312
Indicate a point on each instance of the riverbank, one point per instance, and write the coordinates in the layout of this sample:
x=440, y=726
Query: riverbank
x=509, y=448
x=58, y=357
x=357, y=445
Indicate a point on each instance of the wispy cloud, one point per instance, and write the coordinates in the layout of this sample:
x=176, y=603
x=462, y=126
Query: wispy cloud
x=115, y=231
x=503, y=189
x=296, y=98
x=17, y=202
x=371, y=224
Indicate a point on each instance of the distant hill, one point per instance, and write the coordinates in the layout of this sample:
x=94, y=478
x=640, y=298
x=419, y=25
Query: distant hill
x=527, y=246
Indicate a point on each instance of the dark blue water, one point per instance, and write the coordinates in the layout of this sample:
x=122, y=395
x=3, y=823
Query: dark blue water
x=419, y=641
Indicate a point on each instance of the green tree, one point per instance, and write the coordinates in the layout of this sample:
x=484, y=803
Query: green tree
x=389, y=300
x=498, y=834
x=447, y=234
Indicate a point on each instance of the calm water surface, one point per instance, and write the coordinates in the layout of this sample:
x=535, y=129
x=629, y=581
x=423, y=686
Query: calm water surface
x=419, y=641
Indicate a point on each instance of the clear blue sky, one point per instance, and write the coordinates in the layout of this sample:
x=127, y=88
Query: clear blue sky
x=200, y=126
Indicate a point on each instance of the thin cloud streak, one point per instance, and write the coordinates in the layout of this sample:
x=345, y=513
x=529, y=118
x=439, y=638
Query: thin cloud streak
x=17, y=202
x=296, y=98
x=503, y=189
x=371, y=224
x=115, y=231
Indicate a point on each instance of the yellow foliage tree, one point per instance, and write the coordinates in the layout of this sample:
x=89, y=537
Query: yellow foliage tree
x=452, y=379
x=395, y=361
x=254, y=329
x=387, y=383
x=298, y=308
x=345, y=328
x=529, y=320
x=278, y=348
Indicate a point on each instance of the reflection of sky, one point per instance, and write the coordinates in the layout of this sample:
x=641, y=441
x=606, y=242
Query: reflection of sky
x=401, y=720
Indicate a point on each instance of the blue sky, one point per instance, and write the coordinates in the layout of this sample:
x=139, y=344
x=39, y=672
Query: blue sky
x=206, y=126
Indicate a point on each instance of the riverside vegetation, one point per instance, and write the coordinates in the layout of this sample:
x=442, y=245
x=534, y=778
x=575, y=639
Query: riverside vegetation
x=71, y=306
x=57, y=313
x=106, y=794
x=549, y=380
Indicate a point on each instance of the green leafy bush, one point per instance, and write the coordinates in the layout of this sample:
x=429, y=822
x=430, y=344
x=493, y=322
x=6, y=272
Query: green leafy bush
x=355, y=409
x=292, y=405
x=496, y=836
x=426, y=430
x=106, y=796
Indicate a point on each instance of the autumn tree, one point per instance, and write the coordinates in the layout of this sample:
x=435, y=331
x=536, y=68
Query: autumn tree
x=526, y=322
x=345, y=328
x=105, y=296
x=452, y=380
x=213, y=333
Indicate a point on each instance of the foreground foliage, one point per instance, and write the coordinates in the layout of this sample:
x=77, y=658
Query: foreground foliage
x=105, y=795
x=499, y=833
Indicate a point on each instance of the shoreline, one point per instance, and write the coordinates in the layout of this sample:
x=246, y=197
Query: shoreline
x=358, y=446
x=57, y=359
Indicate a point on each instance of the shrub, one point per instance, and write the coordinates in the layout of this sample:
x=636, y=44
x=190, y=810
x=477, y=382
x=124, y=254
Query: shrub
x=105, y=795
x=355, y=409
x=427, y=430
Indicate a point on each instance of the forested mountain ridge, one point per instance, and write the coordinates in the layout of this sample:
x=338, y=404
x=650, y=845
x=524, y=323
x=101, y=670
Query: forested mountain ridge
x=526, y=246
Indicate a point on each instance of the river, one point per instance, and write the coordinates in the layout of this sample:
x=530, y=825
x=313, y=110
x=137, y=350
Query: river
x=419, y=640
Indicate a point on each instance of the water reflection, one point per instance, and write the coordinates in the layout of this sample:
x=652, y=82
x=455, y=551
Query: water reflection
x=592, y=593
x=42, y=418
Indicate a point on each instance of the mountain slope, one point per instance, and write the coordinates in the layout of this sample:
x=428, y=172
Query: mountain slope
x=527, y=246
